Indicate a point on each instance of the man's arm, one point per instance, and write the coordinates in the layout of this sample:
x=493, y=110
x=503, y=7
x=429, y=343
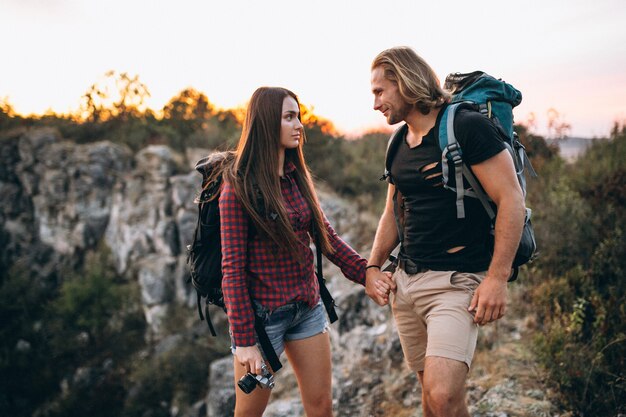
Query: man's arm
x=378, y=284
x=498, y=178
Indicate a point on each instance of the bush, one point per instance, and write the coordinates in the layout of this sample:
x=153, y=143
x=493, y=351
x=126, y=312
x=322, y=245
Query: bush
x=580, y=293
x=178, y=377
x=93, y=306
x=76, y=337
x=565, y=227
x=583, y=345
x=27, y=373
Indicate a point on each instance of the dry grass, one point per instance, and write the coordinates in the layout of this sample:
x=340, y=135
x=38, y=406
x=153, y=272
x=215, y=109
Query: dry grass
x=505, y=376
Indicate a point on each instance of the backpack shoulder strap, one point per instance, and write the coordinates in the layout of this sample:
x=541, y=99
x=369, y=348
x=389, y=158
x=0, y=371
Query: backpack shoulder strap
x=327, y=298
x=392, y=147
x=451, y=153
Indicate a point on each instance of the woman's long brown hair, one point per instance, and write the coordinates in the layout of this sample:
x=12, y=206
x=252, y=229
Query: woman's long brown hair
x=255, y=169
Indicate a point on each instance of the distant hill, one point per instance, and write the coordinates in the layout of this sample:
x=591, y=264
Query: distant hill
x=572, y=148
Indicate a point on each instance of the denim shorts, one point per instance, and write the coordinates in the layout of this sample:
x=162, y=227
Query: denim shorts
x=293, y=321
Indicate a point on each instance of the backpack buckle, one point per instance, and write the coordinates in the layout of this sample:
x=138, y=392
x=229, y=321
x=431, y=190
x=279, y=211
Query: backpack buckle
x=453, y=147
x=454, y=153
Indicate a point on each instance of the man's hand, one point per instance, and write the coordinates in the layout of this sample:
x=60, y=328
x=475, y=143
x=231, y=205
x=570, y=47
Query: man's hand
x=489, y=301
x=250, y=358
x=378, y=285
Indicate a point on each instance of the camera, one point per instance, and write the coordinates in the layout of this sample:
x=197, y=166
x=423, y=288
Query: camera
x=249, y=381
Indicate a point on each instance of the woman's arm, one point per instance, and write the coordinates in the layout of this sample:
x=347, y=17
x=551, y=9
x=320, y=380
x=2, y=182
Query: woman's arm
x=352, y=265
x=234, y=239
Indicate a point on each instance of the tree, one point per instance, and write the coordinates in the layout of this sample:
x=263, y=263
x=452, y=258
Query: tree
x=92, y=108
x=8, y=118
x=119, y=96
x=557, y=127
x=132, y=96
x=189, y=111
x=312, y=121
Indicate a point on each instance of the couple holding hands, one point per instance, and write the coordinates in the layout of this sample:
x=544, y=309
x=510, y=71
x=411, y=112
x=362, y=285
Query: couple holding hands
x=447, y=282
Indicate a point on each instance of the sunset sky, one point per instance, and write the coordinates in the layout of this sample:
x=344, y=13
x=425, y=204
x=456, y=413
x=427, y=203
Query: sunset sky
x=569, y=55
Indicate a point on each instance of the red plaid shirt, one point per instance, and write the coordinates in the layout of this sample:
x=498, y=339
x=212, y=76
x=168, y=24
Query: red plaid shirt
x=252, y=267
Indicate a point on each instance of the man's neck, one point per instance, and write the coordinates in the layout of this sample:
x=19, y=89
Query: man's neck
x=419, y=125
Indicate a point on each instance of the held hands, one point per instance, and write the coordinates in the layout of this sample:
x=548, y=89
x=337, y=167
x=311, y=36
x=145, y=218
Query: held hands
x=378, y=285
x=489, y=301
x=250, y=358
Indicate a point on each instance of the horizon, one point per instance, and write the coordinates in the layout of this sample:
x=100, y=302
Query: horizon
x=564, y=55
x=382, y=128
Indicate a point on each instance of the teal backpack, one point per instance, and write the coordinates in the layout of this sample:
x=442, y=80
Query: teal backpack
x=495, y=99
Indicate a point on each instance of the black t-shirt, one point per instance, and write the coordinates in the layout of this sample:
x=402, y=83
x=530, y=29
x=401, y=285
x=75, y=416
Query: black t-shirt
x=431, y=227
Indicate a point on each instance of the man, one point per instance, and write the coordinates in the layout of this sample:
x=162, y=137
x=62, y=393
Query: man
x=447, y=282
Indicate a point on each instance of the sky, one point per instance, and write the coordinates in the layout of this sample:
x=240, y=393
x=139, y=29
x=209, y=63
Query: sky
x=568, y=55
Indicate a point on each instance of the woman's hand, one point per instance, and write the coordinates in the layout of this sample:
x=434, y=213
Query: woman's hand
x=250, y=358
x=378, y=285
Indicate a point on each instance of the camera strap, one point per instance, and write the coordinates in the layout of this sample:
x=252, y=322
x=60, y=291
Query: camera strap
x=327, y=299
x=266, y=345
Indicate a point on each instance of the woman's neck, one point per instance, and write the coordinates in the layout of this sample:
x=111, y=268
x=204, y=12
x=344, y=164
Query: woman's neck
x=281, y=162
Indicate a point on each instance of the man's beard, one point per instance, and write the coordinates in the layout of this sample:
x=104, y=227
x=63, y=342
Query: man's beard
x=400, y=115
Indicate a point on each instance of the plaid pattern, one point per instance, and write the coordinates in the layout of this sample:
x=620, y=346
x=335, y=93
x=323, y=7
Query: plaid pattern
x=253, y=268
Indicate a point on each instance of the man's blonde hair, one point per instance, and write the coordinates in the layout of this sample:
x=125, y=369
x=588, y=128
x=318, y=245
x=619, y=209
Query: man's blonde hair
x=416, y=80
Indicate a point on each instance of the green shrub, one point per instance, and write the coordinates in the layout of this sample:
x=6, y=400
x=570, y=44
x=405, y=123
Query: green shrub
x=85, y=303
x=579, y=294
x=49, y=338
x=27, y=373
x=583, y=343
x=565, y=228
x=178, y=377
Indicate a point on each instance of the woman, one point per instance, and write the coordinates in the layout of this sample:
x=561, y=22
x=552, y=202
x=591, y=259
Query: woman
x=267, y=262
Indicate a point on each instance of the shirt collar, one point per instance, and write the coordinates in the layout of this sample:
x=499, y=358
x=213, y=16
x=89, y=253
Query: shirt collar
x=289, y=168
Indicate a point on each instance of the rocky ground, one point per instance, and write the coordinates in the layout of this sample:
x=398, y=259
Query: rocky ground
x=505, y=380
x=371, y=380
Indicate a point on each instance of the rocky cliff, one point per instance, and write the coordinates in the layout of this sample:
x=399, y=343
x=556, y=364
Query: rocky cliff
x=61, y=199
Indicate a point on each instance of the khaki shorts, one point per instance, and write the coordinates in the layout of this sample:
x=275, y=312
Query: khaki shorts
x=430, y=309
